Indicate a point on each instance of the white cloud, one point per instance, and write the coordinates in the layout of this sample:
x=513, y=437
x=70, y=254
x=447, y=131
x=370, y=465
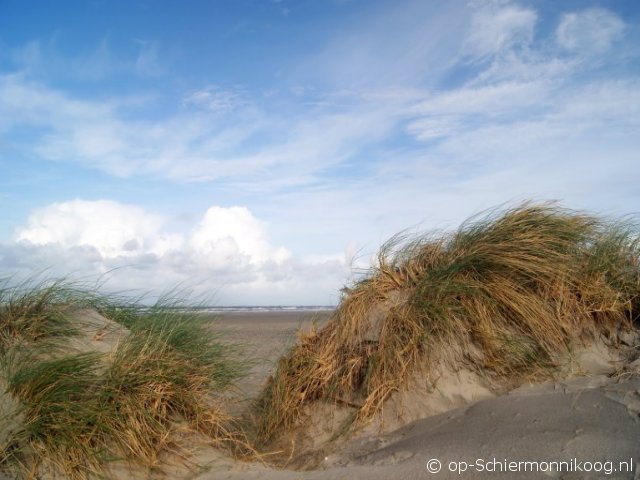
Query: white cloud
x=570, y=120
x=227, y=138
x=593, y=30
x=190, y=146
x=216, y=99
x=228, y=233
x=93, y=133
x=498, y=28
x=228, y=253
x=26, y=103
x=111, y=228
x=431, y=128
x=450, y=112
x=399, y=124
x=390, y=44
x=488, y=100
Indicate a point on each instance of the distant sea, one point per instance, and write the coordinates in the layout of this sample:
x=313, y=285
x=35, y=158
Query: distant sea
x=257, y=309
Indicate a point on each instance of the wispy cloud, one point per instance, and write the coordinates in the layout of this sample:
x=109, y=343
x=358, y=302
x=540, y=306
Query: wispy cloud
x=149, y=62
x=46, y=58
x=410, y=42
x=496, y=28
x=416, y=113
x=589, y=31
x=230, y=137
x=217, y=99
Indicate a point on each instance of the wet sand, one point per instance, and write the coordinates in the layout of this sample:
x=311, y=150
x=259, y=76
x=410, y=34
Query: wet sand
x=265, y=337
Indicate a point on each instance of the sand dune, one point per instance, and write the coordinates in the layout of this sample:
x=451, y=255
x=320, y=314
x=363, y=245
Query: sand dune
x=579, y=422
x=590, y=422
x=509, y=348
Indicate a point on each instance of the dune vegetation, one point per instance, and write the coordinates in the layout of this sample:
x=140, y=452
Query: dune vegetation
x=72, y=407
x=91, y=381
x=507, y=294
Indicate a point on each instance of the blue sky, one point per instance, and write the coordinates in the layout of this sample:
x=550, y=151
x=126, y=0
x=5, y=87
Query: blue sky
x=255, y=150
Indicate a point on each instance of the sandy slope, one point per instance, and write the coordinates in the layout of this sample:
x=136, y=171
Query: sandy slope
x=583, y=419
x=586, y=419
x=580, y=421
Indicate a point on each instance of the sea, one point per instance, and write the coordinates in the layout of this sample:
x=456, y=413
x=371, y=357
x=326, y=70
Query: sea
x=257, y=309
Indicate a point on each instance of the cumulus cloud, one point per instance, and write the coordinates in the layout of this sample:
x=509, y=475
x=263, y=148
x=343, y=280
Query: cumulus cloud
x=593, y=30
x=111, y=228
x=224, y=236
x=429, y=113
x=227, y=233
x=227, y=252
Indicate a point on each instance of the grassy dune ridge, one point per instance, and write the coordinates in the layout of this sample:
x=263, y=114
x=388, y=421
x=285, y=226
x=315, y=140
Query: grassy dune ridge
x=78, y=409
x=506, y=293
x=87, y=379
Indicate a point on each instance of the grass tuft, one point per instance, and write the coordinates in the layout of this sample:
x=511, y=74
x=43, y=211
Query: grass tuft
x=165, y=377
x=33, y=311
x=508, y=292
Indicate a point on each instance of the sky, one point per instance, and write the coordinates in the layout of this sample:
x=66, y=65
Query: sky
x=259, y=152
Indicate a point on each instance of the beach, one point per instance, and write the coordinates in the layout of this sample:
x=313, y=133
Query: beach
x=264, y=336
x=508, y=349
x=587, y=426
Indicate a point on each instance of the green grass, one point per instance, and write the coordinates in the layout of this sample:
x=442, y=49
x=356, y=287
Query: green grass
x=190, y=336
x=33, y=311
x=508, y=293
x=58, y=415
x=80, y=410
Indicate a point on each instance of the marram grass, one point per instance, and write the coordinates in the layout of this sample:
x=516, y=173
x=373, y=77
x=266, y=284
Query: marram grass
x=77, y=411
x=32, y=311
x=506, y=293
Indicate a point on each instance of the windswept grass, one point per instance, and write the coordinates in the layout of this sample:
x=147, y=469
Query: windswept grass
x=190, y=337
x=166, y=377
x=507, y=293
x=32, y=311
x=57, y=416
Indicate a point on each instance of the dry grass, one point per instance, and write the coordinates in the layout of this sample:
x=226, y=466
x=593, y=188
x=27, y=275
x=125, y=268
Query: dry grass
x=80, y=411
x=33, y=312
x=506, y=293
